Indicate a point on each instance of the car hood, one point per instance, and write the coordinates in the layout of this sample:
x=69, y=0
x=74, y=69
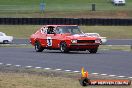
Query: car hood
x=81, y=37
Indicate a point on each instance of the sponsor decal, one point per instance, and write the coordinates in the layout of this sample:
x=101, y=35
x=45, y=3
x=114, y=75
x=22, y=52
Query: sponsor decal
x=85, y=81
x=49, y=41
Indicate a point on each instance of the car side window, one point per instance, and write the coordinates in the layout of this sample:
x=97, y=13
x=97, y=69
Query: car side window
x=59, y=31
x=43, y=30
x=50, y=30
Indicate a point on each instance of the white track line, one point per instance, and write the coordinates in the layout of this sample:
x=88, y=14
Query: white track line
x=67, y=70
x=38, y=67
x=28, y=66
x=1, y=63
x=76, y=71
x=8, y=64
x=95, y=73
x=130, y=77
x=47, y=68
x=18, y=65
x=103, y=74
x=57, y=69
x=121, y=76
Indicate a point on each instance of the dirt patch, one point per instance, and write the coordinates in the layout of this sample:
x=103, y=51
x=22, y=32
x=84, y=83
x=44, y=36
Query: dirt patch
x=71, y=14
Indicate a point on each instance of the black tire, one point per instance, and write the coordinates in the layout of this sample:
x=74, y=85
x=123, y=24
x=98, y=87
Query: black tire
x=63, y=47
x=93, y=50
x=38, y=47
x=5, y=41
x=85, y=82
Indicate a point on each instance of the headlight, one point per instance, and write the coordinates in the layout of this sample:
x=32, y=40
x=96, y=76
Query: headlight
x=97, y=41
x=74, y=41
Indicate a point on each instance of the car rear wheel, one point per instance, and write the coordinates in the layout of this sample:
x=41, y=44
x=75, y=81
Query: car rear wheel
x=63, y=47
x=38, y=47
x=5, y=41
x=93, y=50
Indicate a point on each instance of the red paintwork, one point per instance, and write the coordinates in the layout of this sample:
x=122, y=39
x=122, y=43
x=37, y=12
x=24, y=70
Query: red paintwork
x=58, y=38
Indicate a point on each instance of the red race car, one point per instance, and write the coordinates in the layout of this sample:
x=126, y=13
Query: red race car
x=64, y=38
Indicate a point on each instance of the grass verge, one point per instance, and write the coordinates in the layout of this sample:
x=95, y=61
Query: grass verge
x=111, y=32
x=11, y=77
x=115, y=47
x=23, y=80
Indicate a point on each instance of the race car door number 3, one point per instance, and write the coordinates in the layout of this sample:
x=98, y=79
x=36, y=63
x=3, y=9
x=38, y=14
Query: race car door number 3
x=49, y=41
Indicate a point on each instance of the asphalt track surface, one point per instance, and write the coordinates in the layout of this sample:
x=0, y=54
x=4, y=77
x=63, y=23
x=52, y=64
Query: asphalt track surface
x=109, y=42
x=104, y=62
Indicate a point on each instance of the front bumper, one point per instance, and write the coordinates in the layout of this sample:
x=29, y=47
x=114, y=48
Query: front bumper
x=83, y=46
x=96, y=44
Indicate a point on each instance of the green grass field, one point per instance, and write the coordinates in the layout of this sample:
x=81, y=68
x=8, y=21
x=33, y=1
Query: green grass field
x=64, y=8
x=62, y=5
x=19, y=31
x=111, y=32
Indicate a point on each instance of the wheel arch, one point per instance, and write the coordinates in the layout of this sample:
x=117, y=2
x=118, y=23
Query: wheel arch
x=62, y=41
x=36, y=40
x=5, y=41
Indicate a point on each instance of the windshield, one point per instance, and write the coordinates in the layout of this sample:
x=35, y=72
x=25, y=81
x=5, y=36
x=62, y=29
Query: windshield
x=69, y=29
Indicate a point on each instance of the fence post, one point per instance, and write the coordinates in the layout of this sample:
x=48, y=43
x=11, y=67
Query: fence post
x=42, y=7
x=93, y=7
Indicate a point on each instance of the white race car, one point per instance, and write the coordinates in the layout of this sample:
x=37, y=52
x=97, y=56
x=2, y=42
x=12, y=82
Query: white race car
x=5, y=39
x=103, y=39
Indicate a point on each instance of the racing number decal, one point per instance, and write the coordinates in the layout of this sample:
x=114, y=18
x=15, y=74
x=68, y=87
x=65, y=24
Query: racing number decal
x=49, y=41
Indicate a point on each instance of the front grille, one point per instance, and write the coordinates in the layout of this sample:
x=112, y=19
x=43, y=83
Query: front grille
x=85, y=41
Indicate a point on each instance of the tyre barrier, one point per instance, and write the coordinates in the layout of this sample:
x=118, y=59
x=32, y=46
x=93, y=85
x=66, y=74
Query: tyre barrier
x=65, y=21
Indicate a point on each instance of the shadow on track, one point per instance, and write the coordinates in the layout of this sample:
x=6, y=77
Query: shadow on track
x=71, y=52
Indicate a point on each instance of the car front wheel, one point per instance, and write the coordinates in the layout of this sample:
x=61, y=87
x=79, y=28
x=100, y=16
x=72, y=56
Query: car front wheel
x=5, y=41
x=93, y=50
x=63, y=47
x=38, y=47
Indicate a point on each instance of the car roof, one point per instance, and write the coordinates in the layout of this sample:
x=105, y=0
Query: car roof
x=59, y=25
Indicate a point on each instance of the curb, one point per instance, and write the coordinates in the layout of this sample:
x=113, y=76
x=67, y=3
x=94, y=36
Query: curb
x=71, y=71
